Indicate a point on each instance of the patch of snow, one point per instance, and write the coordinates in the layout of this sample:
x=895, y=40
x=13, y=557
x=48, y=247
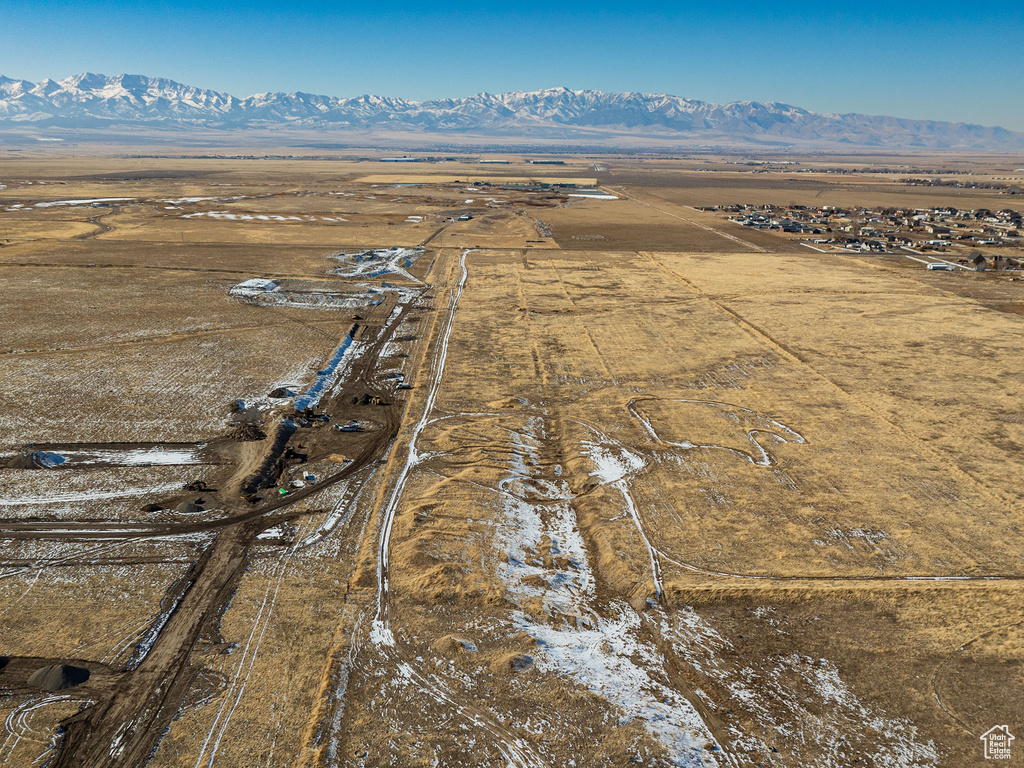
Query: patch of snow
x=610, y=660
x=802, y=698
x=253, y=284
x=91, y=495
x=613, y=463
x=90, y=201
x=258, y=217
x=135, y=457
x=605, y=654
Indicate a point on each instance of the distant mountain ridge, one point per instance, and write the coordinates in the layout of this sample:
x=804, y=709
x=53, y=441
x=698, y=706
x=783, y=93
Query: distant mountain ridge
x=90, y=101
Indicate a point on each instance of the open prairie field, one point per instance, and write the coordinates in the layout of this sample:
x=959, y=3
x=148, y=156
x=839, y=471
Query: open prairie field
x=307, y=463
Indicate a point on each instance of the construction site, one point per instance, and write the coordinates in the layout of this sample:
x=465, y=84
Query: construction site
x=303, y=465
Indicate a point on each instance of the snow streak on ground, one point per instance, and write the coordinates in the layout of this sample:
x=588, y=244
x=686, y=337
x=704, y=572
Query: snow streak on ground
x=381, y=633
x=348, y=494
x=18, y=725
x=133, y=457
x=85, y=495
x=610, y=660
x=246, y=661
x=742, y=417
x=804, y=700
x=180, y=200
x=603, y=650
x=614, y=466
x=90, y=201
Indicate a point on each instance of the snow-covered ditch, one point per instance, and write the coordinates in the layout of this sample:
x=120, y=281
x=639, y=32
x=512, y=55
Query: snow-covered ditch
x=69, y=497
x=348, y=351
x=100, y=493
x=602, y=650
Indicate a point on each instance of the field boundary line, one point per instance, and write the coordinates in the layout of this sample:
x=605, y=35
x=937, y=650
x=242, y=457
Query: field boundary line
x=768, y=340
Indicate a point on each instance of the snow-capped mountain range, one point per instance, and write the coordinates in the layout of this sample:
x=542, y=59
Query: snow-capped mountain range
x=92, y=102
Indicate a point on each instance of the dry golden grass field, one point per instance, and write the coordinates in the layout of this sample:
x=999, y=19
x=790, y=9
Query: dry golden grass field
x=310, y=463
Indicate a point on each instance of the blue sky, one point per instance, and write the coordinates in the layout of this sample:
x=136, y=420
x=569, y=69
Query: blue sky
x=948, y=61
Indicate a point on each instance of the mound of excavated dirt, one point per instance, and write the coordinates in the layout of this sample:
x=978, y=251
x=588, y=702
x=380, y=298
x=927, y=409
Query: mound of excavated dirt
x=57, y=677
x=281, y=392
x=190, y=507
x=246, y=433
x=266, y=474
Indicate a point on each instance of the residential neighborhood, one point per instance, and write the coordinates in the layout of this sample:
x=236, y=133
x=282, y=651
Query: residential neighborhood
x=887, y=230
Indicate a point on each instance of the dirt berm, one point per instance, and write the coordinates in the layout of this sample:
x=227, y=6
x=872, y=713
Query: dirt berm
x=57, y=677
x=269, y=470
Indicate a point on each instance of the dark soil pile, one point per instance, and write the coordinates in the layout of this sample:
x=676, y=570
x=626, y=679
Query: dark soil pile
x=21, y=461
x=190, y=507
x=57, y=677
x=267, y=473
x=246, y=433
